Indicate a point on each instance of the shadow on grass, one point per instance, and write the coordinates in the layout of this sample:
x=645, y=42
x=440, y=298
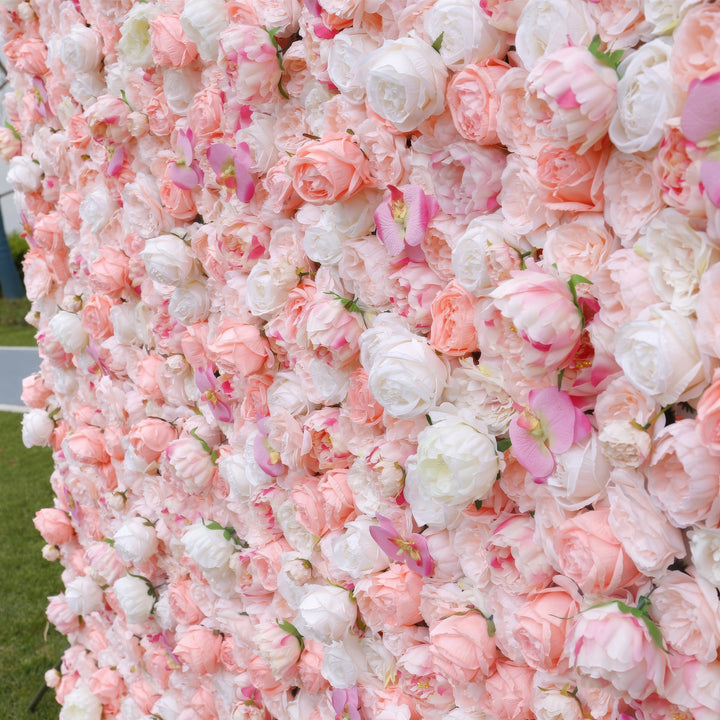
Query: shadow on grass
x=27, y=647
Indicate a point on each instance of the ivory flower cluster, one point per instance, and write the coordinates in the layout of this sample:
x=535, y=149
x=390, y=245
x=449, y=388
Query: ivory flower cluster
x=379, y=354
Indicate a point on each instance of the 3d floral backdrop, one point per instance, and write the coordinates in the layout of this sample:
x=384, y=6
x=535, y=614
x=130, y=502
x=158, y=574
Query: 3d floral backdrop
x=379, y=352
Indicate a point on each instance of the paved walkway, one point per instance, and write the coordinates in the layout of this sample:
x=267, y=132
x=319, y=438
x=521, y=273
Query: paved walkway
x=16, y=363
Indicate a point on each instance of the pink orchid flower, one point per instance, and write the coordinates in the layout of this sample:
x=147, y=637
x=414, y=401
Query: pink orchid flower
x=116, y=158
x=345, y=703
x=413, y=552
x=265, y=455
x=232, y=168
x=550, y=425
x=186, y=172
x=402, y=220
x=207, y=384
x=700, y=123
x=40, y=97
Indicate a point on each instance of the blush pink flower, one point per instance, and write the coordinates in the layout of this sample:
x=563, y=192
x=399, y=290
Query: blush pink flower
x=412, y=551
x=265, y=456
x=700, y=123
x=232, y=168
x=212, y=392
x=549, y=425
x=402, y=219
x=185, y=172
x=345, y=703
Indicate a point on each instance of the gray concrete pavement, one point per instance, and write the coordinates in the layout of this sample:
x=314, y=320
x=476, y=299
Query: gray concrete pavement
x=15, y=364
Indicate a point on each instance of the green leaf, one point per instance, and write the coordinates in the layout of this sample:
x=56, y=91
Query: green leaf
x=490, y=625
x=123, y=96
x=205, y=447
x=290, y=629
x=560, y=378
x=350, y=304
x=611, y=59
x=12, y=129
x=478, y=504
x=272, y=33
x=429, y=419
x=573, y=282
x=438, y=42
x=504, y=444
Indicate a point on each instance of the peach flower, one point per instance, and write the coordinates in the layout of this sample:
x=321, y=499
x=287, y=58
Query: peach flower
x=696, y=45
x=390, y=599
x=171, y=47
x=330, y=169
x=199, y=649
x=452, y=331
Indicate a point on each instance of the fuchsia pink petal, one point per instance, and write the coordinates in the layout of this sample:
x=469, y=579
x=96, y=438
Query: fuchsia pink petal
x=384, y=535
x=413, y=552
x=710, y=178
x=402, y=220
x=217, y=154
x=533, y=455
x=184, y=177
x=388, y=230
x=701, y=114
x=345, y=703
x=422, y=209
x=556, y=413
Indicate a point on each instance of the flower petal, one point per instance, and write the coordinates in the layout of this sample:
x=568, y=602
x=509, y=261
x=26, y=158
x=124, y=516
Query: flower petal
x=701, y=114
x=530, y=451
x=556, y=413
x=710, y=178
x=388, y=230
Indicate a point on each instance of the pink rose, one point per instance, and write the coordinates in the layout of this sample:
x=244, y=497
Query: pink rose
x=568, y=180
x=473, y=100
x=708, y=416
x=199, y=649
x=589, y=553
x=687, y=612
x=54, y=525
x=683, y=478
x=452, y=331
x=86, y=445
x=466, y=178
x=330, y=169
x=700, y=28
x=150, y=437
x=573, y=96
x=541, y=625
x=606, y=644
x=390, y=599
x=508, y=692
x=109, y=272
x=171, y=47
x=530, y=319
x=462, y=649
x=239, y=347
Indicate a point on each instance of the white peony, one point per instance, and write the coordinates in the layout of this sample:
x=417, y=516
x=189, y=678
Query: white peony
x=81, y=704
x=705, y=553
x=134, y=44
x=81, y=49
x=456, y=463
x=208, y=547
x=68, y=330
x=355, y=552
x=190, y=303
x=268, y=285
x=24, y=174
x=406, y=81
x=83, y=595
x=646, y=98
x=203, y=21
x=467, y=35
x=326, y=613
x=660, y=357
x=37, y=428
x=135, y=541
x=346, y=68
x=168, y=260
x=134, y=597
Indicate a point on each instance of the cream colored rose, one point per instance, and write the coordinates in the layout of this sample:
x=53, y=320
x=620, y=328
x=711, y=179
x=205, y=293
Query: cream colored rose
x=406, y=82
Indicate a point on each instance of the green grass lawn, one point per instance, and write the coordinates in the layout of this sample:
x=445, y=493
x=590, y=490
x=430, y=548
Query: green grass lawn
x=27, y=647
x=13, y=328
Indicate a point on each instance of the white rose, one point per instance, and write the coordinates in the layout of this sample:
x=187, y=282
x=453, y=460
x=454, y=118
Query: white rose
x=342, y=661
x=134, y=44
x=242, y=473
x=678, y=257
x=355, y=217
x=81, y=49
x=83, y=595
x=268, y=286
x=260, y=138
x=299, y=537
x=37, y=428
x=328, y=384
x=380, y=661
x=131, y=323
x=85, y=88
x=168, y=260
x=135, y=541
x=467, y=36
x=549, y=704
x=134, y=597
x=24, y=174
x=479, y=391
x=547, y=25
x=287, y=392
x=180, y=86
x=355, y=552
x=625, y=445
x=659, y=356
x=190, y=303
x=346, y=68
x=321, y=242
x=705, y=553
x=406, y=81
x=96, y=209
x=326, y=613
x=208, y=547
x=664, y=15
x=471, y=256
x=81, y=704
x=455, y=464
x=67, y=329
x=405, y=375
x=646, y=98
x=203, y=21
x=580, y=474
x=142, y=206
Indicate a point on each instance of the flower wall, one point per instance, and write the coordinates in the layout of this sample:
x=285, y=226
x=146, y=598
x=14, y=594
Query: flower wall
x=379, y=353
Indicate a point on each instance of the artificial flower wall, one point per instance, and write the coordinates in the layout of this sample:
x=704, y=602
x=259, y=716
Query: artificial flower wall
x=379, y=353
